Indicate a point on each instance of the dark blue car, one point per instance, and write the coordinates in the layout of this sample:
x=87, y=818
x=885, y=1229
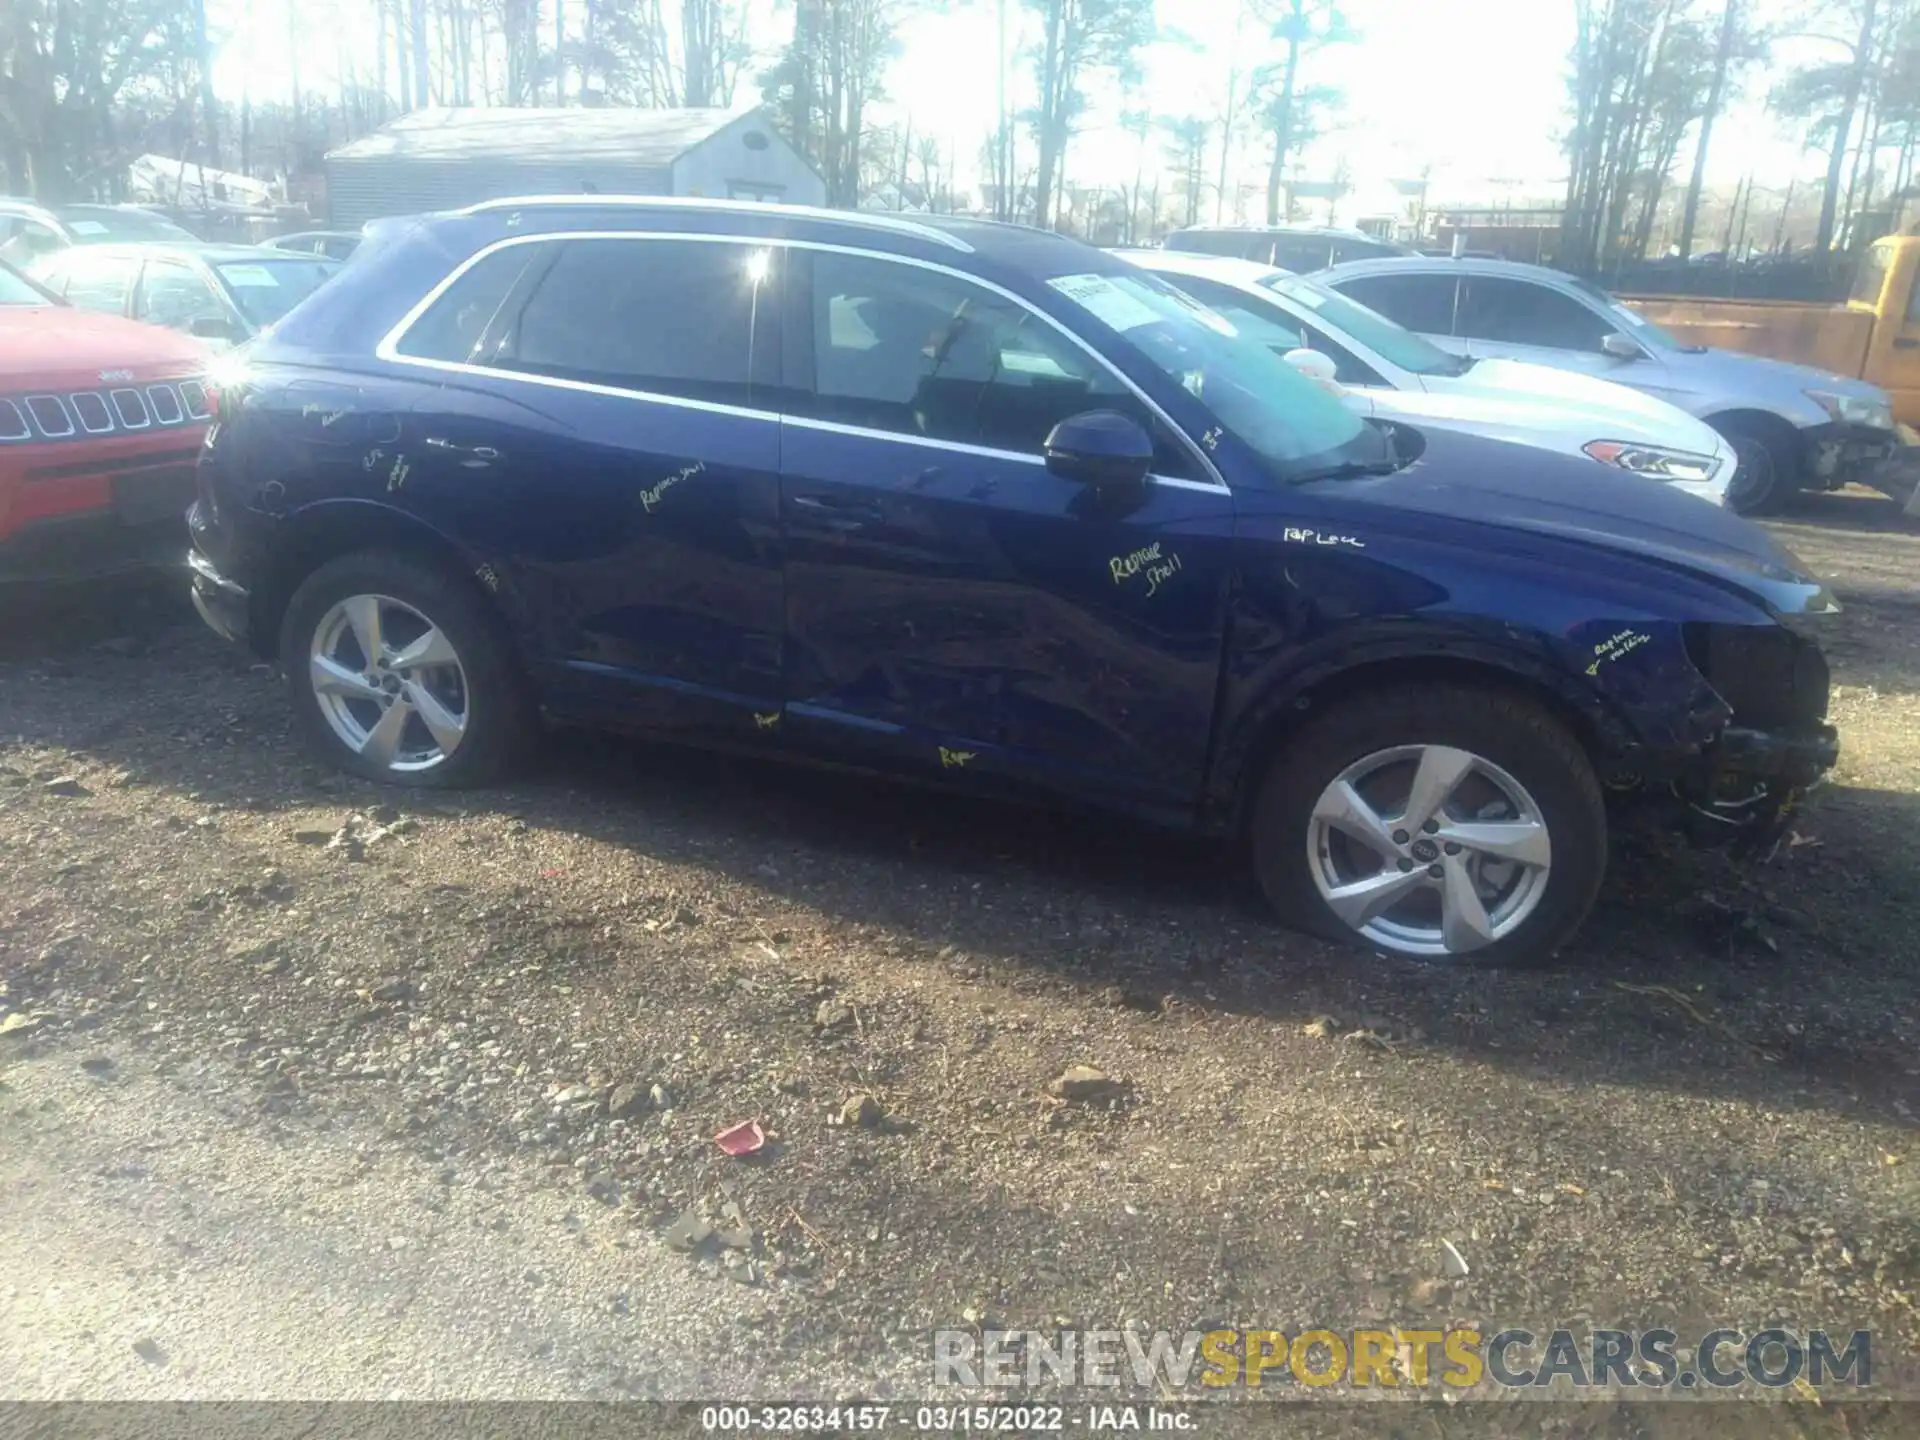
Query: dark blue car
x=978, y=505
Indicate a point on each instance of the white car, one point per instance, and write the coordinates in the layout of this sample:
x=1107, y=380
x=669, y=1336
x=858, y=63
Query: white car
x=1398, y=376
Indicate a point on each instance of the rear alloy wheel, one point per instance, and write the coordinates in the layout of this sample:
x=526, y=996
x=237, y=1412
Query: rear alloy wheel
x=400, y=673
x=389, y=683
x=1452, y=825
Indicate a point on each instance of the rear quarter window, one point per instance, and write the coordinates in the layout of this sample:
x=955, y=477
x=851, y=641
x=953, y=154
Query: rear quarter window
x=456, y=325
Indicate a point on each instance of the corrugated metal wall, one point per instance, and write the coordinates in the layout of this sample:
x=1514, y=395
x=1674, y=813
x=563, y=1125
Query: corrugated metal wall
x=359, y=190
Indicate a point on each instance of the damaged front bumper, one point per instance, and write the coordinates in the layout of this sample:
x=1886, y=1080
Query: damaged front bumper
x=1839, y=454
x=1754, y=747
x=1747, y=785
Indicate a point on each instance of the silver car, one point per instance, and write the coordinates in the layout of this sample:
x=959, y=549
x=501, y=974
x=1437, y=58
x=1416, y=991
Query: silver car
x=1792, y=426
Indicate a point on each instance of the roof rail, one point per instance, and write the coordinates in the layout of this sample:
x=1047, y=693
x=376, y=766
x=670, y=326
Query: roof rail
x=898, y=224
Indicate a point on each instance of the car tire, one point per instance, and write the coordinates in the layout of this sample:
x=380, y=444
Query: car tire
x=1768, y=473
x=1524, y=808
x=463, y=709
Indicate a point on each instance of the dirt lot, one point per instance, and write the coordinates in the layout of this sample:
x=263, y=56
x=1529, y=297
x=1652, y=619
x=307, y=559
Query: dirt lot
x=313, y=1090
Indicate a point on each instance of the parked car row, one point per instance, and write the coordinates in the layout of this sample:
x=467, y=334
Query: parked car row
x=981, y=507
x=1183, y=536
x=1395, y=375
x=1792, y=426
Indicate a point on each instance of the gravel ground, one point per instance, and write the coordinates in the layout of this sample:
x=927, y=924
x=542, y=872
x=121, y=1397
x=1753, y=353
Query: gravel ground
x=309, y=1089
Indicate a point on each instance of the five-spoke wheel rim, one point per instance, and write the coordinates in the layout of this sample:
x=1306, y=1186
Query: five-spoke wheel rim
x=1428, y=850
x=389, y=683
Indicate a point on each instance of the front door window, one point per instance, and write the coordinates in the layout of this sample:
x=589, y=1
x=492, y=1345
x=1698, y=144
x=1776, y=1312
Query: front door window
x=916, y=353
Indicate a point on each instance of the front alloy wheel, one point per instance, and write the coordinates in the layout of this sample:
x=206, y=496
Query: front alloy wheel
x=1433, y=821
x=1429, y=850
x=389, y=683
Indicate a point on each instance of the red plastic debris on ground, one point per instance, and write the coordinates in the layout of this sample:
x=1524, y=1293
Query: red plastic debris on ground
x=741, y=1139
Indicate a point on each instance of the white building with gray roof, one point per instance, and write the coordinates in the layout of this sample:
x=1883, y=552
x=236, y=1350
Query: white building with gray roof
x=445, y=158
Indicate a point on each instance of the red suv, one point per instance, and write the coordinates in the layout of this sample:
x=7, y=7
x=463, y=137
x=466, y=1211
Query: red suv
x=101, y=421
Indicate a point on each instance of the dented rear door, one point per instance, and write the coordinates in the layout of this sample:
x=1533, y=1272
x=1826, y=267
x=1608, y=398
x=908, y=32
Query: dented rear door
x=599, y=448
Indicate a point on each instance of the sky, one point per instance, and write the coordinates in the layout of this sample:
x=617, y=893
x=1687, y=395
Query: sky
x=1474, y=89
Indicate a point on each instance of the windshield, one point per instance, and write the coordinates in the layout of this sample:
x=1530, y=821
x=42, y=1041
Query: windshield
x=1393, y=343
x=96, y=224
x=16, y=289
x=265, y=290
x=1289, y=421
x=1631, y=322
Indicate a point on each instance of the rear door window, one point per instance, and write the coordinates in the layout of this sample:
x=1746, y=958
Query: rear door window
x=672, y=317
x=1519, y=312
x=1419, y=301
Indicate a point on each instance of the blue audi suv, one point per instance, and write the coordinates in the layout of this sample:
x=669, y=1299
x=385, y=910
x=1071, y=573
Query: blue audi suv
x=979, y=506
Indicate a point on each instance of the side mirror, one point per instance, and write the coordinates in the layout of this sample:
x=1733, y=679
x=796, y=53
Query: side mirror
x=1622, y=347
x=212, y=327
x=1316, y=367
x=1102, y=448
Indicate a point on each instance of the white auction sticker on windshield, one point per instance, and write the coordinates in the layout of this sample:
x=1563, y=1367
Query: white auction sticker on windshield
x=250, y=277
x=86, y=227
x=1306, y=295
x=1105, y=301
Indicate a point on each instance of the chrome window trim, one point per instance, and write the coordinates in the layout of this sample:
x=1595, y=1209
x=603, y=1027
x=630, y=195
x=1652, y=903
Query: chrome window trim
x=196, y=408
x=26, y=429
x=388, y=347
x=41, y=425
x=833, y=427
x=73, y=402
x=894, y=224
x=121, y=411
x=173, y=399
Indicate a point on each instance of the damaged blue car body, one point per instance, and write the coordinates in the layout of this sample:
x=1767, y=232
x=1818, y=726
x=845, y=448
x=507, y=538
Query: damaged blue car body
x=980, y=506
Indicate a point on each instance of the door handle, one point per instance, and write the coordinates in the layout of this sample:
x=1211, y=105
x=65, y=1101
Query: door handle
x=1906, y=344
x=833, y=508
x=479, y=457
